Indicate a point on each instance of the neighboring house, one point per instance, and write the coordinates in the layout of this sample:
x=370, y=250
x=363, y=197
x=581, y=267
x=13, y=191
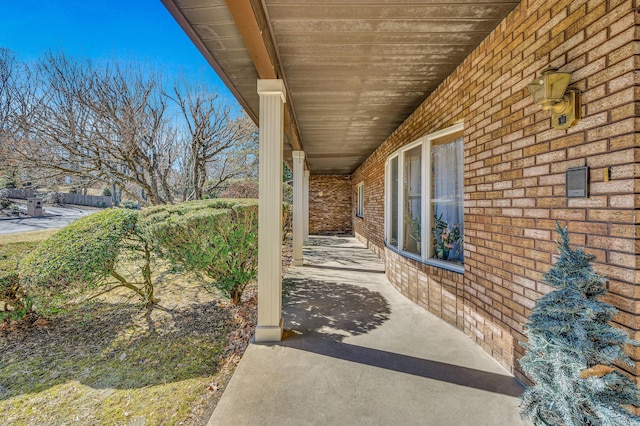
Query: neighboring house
x=414, y=123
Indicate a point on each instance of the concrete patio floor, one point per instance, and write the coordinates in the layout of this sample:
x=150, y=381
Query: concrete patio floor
x=356, y=352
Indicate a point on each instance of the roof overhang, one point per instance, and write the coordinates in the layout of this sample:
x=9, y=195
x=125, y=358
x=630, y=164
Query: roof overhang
x=354, y=69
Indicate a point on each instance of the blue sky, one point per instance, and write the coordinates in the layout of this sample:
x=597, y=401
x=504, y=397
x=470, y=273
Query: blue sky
x=142, y=30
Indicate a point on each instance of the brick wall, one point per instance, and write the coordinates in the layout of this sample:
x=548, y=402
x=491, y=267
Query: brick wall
x=515, y=165
x=330, y=204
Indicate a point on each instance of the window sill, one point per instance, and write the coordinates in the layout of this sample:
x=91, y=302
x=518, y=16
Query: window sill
x=449, y=266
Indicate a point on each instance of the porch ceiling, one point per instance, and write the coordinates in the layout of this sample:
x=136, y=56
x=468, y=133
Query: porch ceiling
x=354, y=69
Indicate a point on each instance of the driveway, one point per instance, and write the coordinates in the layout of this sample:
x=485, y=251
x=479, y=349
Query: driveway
x=55, y=217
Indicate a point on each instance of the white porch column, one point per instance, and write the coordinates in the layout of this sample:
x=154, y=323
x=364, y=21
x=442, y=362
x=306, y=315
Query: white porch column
x=305, y=215
x=272, y=98
x=298, y=206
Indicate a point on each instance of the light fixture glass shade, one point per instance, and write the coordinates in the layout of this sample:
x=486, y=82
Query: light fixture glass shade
x=549, y=89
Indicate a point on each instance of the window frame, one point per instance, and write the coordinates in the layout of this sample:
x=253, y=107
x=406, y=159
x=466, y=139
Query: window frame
x=426, y=248
x=360, y=200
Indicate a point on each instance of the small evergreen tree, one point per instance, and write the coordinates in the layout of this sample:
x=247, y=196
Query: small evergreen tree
x=571, y=348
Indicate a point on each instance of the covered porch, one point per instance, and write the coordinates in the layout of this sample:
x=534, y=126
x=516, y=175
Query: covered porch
x=327, y=83
x=362, y=99
x=350, y=356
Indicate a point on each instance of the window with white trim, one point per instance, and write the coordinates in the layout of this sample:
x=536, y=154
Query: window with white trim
x=360, y=206
x=424, y=194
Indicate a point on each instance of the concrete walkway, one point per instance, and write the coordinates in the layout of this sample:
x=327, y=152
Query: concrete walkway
x=358, y=353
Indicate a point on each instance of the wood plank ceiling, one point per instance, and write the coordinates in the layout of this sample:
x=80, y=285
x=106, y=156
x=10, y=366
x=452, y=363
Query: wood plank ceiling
x=354, y=69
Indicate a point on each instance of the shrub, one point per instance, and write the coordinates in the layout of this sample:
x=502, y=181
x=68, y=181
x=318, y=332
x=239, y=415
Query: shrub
x=106, y=192
x=7, y=182
x=83, y=257
x=131, y=205
x=15, y=301
x=241, y=188
x=4, y=199
x=54, y=198
x=287, y=221
x=217, y=237
x=287, y=193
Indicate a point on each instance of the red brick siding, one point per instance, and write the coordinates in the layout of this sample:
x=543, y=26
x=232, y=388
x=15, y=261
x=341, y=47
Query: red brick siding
x=514, y=170
x=330, y=204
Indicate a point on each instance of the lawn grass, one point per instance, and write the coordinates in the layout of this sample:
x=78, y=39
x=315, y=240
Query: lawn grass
x=111, y=361
x=14, y=246
x=26, y=237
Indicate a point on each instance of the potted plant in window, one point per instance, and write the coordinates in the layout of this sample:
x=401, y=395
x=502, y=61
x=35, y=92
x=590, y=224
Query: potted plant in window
x=445, y=238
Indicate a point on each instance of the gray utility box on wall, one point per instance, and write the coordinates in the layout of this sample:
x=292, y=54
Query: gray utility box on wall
x=34, y=207
x=577, y=182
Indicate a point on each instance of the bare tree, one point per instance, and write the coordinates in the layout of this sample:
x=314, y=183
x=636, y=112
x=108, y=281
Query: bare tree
x=107, y=123
x=10, y=91
x=210, y=134
x=8, y=71
x=242, y=158
x=115, y=123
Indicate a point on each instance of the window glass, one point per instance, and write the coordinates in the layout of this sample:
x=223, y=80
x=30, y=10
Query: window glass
x=447, y=191
x=360, y=209
x=424, y=213
x=393, y=182
x=412, y=205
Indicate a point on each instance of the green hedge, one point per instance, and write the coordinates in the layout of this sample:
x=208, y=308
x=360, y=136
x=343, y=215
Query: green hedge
x=218, y=237
x=78, y=257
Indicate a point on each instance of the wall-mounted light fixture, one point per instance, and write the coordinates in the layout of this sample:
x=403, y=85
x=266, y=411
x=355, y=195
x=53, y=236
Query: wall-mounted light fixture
x=549, y=90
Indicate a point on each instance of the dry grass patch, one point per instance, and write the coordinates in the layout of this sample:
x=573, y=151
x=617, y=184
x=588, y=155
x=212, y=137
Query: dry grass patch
x=14, y=246
x=110, y=361
x=26, y=237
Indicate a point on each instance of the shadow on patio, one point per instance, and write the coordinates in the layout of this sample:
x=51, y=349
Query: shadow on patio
x=357, y=352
